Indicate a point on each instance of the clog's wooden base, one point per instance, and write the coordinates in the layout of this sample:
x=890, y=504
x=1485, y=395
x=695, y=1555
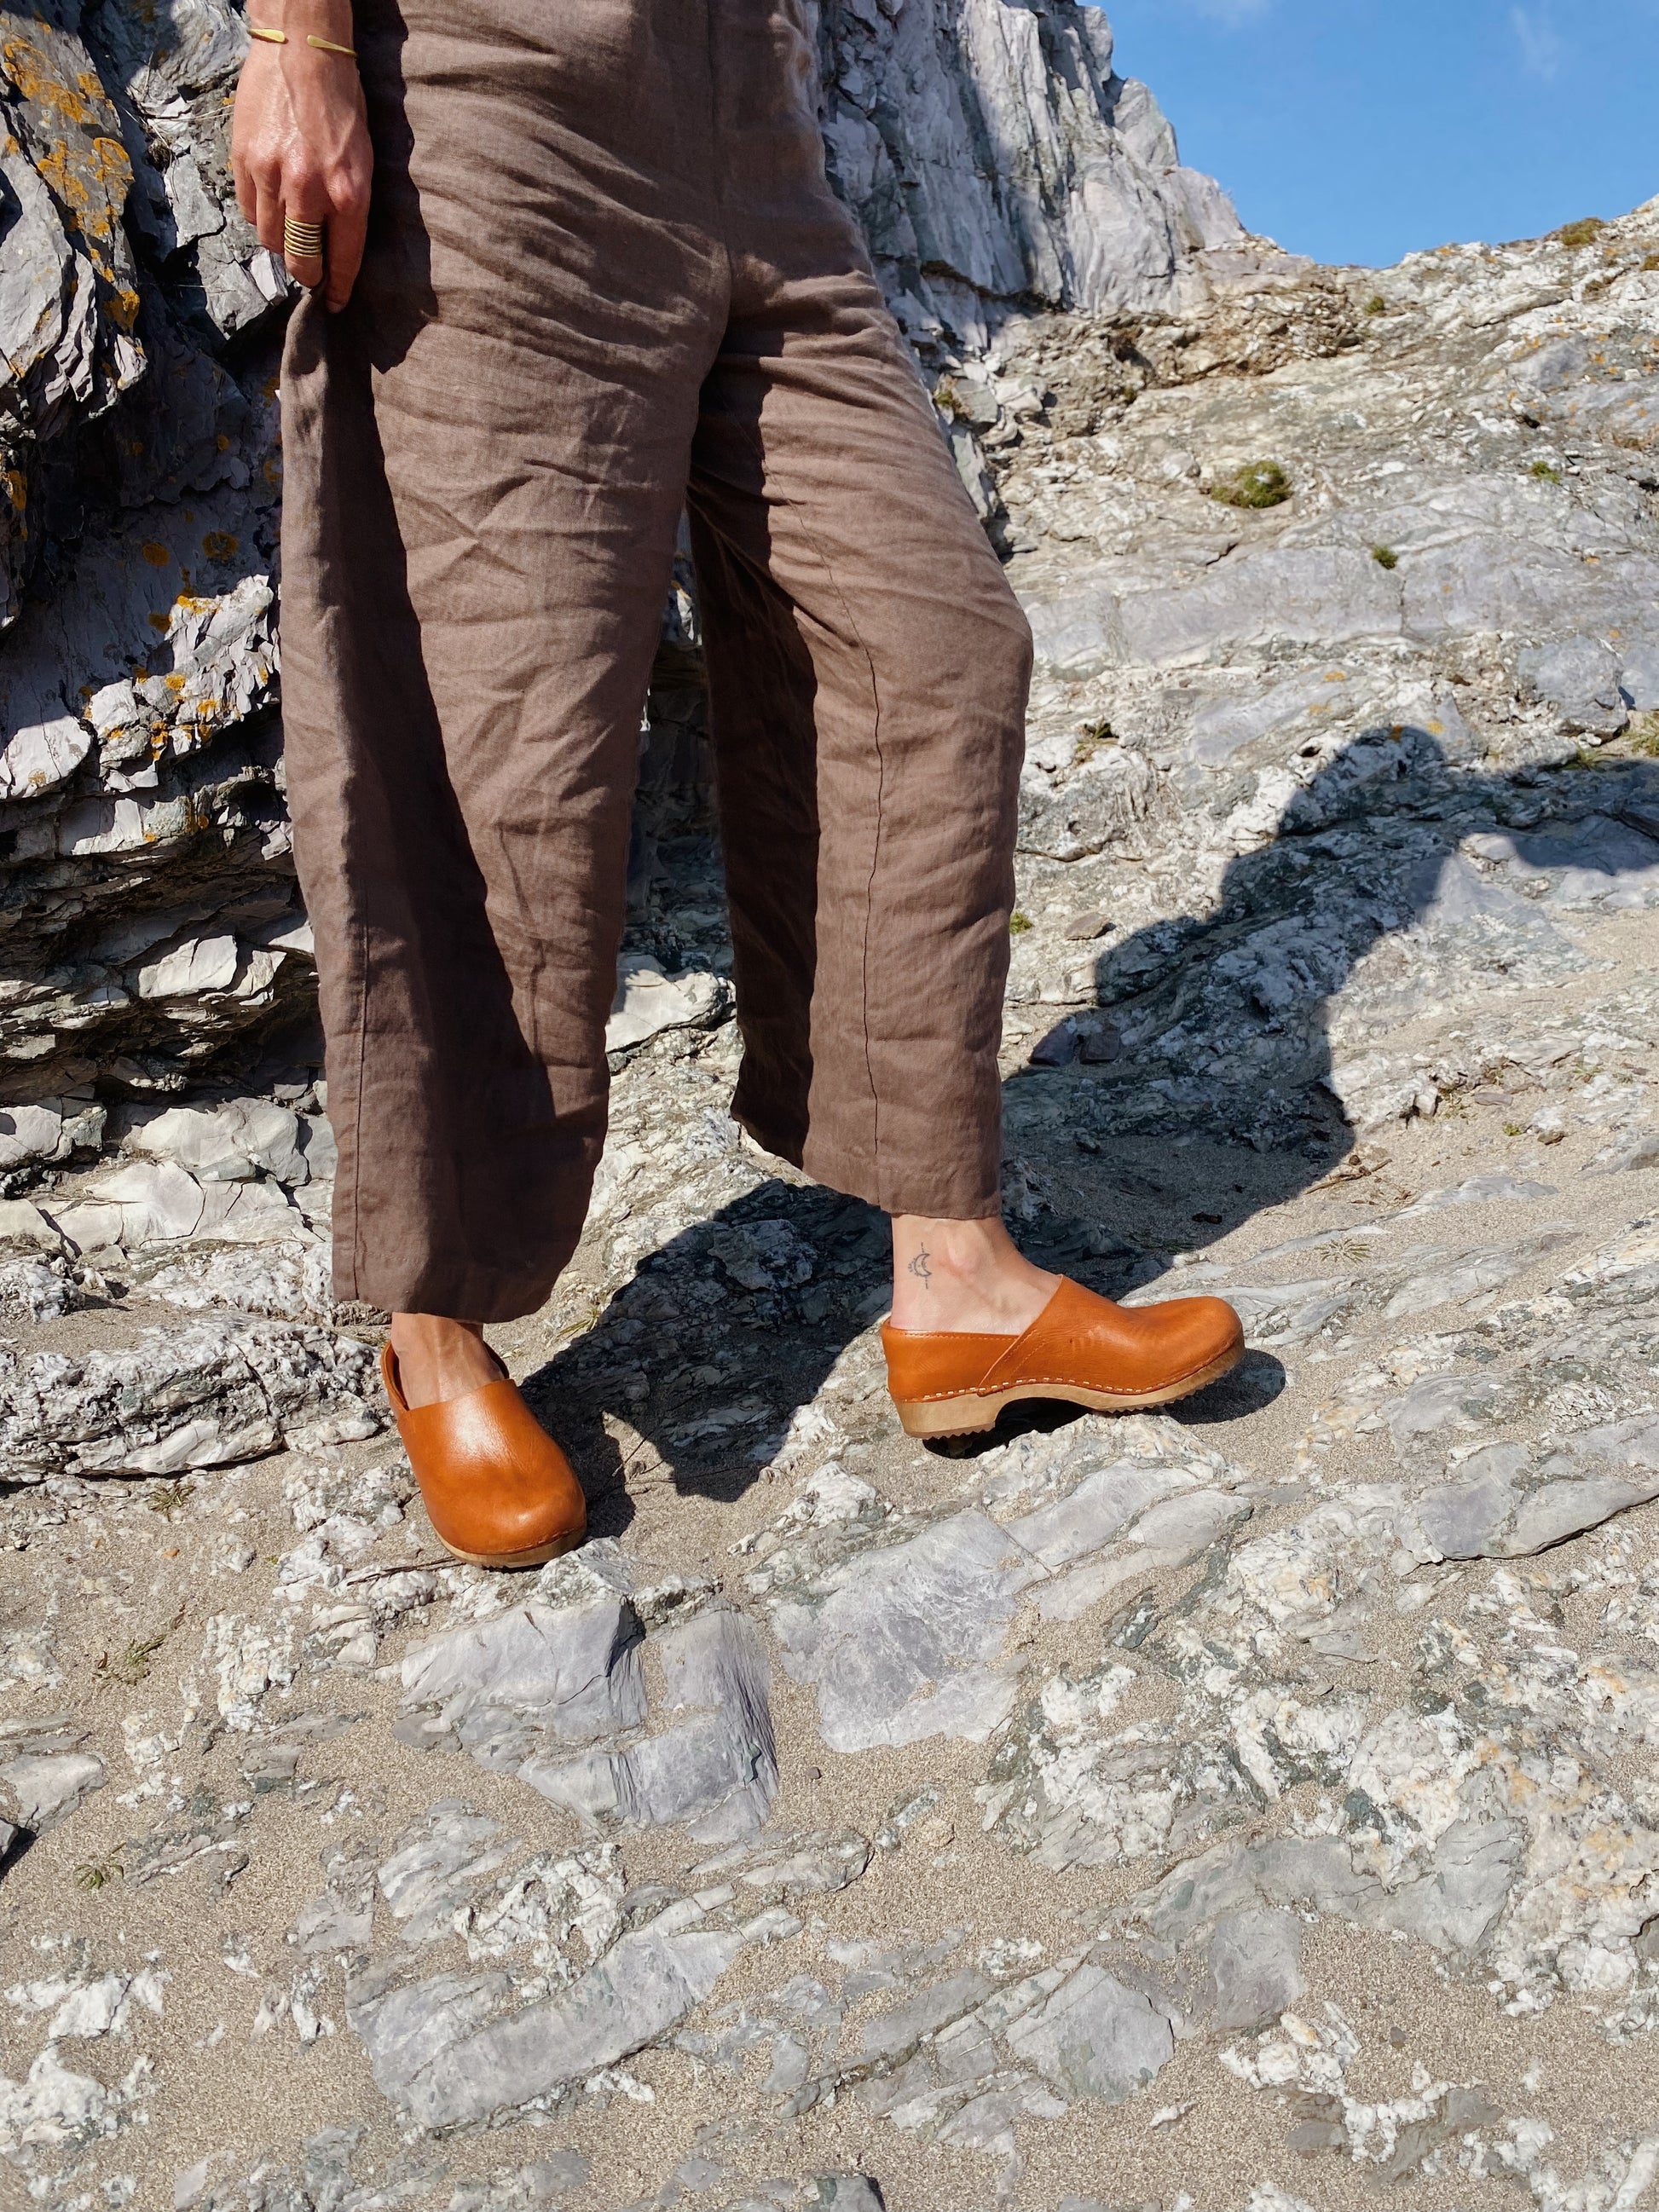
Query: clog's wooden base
x=969, y=1413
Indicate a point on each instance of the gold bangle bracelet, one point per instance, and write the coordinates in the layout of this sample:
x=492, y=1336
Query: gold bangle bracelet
x=280, y=39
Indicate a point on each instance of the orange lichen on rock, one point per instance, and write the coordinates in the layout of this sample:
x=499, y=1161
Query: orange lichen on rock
x=32, y=73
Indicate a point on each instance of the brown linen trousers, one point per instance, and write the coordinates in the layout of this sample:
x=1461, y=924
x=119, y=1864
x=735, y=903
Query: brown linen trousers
x=607, y=281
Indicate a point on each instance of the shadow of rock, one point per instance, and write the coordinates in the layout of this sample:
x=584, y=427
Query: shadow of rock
x=1233, y=1058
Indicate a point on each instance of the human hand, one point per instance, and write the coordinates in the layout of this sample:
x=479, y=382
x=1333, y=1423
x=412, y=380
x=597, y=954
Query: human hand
x=300, y=149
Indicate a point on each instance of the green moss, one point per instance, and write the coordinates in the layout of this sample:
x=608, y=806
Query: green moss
x=1641, y=736
x=1377, y=305
x=1385, y=556
x=1258, y=483
x=1580, y=232
x=1091, y=737
x=1018, y=924
x=1545, y=473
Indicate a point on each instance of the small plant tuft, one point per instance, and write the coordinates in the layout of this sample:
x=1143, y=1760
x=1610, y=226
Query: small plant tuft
x=1018, y=924
x=1641, y=736
x=1258, y=483
x=1581, y=233
x=93, y=1873
x=1545, y=473
x=1091, y=737
x=1650, y=262
x=168, y=1498
x=134, y=1662
x=1515, y=1129
x=1377, y=305
x=1385, y=556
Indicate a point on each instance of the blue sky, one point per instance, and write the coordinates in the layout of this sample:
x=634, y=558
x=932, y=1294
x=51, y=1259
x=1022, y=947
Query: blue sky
x=1361, y=130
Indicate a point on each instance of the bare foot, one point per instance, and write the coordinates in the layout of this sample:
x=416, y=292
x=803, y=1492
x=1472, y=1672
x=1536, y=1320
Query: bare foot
x=964, y=1275
x=439, y=1358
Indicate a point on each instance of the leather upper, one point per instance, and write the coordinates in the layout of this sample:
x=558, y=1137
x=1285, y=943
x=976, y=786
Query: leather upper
x=493, y=1481
x=1078, y=1338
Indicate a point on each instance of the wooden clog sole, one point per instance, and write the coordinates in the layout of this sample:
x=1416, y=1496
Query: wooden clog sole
x=969, y=1413
x=537, y=1556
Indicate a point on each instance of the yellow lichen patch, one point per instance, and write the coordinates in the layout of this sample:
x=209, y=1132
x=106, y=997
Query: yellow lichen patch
x=110, y=164
x=123, y=304
x=32, y=73
x=221, y=545
x=222, y=441
x=12, y=482
x=174, y=681
x=158, y=622
x=157, y=555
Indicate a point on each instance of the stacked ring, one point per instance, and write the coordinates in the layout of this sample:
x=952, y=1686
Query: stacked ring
x=302, y=241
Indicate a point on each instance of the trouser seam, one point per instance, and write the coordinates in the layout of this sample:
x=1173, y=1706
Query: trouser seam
x=357, y=1106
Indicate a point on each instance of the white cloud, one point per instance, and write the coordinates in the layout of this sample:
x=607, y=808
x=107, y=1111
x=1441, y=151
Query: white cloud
x=1540, y=42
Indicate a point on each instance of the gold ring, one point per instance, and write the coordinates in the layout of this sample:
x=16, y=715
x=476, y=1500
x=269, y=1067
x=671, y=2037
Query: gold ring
x=302, y=241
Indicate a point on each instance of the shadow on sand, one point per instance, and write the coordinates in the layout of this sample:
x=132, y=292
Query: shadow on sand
x=1193, y=1097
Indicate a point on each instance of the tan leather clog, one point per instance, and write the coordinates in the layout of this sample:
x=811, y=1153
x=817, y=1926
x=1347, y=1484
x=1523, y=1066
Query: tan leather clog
x=1083, y=1349
x=498, y=1490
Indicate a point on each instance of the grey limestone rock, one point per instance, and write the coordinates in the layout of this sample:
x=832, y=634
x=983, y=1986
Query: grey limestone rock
x=907, y=1646
x=568, y=1674
x=1254, y=1959
x=716, y=1772
x=1094, y=2037
x=439, y=2053
x=1013, y=163
x=204, y=1395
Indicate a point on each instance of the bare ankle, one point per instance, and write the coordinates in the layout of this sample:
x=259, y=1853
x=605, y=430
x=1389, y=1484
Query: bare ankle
x=439, y=1358
x=963, y=1275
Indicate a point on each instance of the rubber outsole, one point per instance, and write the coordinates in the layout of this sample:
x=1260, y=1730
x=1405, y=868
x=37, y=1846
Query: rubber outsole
x=970, y=1414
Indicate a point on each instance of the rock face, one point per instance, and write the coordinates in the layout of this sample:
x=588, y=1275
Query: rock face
x=1252, y=1803
x=996, y=159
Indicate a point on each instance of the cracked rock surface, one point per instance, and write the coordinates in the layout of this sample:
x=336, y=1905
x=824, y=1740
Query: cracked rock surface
x=1244, y=1808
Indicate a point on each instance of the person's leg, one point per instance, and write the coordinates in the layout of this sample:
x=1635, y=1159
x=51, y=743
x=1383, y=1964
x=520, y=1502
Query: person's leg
x=868, y=668
x=485, y=456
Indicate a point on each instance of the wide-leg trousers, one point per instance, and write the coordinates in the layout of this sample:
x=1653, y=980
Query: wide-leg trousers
x=606, y=282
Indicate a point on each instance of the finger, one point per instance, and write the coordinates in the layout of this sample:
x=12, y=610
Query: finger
x=246, y=198
x=305, y=217
x=348, y=228
x=267, y=213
